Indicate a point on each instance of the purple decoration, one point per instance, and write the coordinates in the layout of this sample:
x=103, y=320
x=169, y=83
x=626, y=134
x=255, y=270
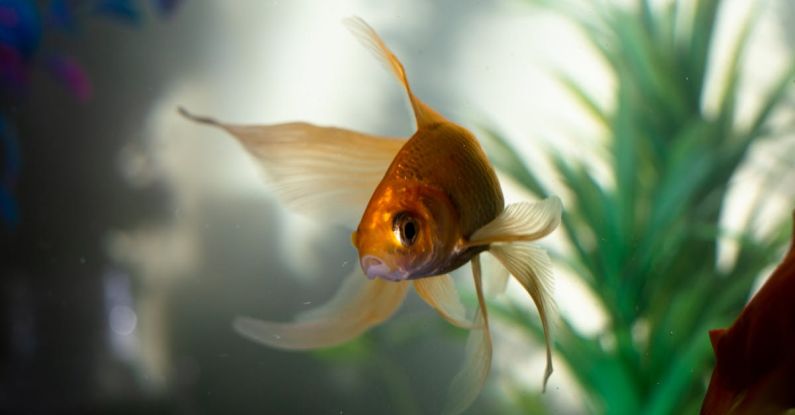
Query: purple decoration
x=14, y=71
x=69, y=73
x=20, y=37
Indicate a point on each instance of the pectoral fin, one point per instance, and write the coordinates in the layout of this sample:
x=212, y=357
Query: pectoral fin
x=531, y=266
x=424, y=114
x=508, y=236
x=323, y=171
x=522, y=221
x=497, y=281
x=468, y=383
x=358, y=305
x=440, y=293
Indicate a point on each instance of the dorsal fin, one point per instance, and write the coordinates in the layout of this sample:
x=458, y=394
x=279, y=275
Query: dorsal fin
x=714, y=338
x=424, y=114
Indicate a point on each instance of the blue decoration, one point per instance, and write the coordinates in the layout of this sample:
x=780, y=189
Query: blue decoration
x=12, y=162
x=124, y=10
x=20, y=26
x=21, y=31
x=61, y=14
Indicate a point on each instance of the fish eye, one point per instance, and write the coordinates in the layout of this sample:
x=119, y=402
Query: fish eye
x=405, y=227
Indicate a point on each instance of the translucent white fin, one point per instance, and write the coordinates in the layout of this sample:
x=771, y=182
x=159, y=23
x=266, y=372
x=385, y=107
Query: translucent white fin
x=496, y=281
x=323, y=171
x=469, y=381
x=424, y=114
x=531, y=266
x=358, y=305
x=521, y=222
x=440, y=293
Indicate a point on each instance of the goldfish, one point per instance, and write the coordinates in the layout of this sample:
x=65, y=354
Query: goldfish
x=755, y=357
x=425, y=206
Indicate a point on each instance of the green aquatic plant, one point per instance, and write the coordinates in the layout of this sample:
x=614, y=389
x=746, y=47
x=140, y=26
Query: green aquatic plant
x=646, y=245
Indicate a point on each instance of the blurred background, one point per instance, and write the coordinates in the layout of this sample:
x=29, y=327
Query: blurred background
x=131, y=238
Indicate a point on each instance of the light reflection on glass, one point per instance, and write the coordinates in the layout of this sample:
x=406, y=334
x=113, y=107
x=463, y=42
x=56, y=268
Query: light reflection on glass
x=121, y=317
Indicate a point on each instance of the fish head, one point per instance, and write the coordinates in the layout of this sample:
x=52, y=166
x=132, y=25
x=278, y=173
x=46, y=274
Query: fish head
x=407, y=231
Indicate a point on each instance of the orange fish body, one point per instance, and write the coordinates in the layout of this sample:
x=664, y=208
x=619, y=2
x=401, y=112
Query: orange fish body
x=425, y=206
x=441, y=181
x=755, y=357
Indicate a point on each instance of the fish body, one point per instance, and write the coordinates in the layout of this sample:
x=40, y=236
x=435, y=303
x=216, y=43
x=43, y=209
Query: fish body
x=755, y=357
x=442, y=181
x=425, y=206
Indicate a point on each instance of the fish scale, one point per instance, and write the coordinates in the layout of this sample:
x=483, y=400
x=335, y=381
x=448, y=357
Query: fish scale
x=446, y=156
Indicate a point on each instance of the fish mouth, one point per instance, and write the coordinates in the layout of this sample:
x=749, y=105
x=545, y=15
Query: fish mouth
x=374, y=267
